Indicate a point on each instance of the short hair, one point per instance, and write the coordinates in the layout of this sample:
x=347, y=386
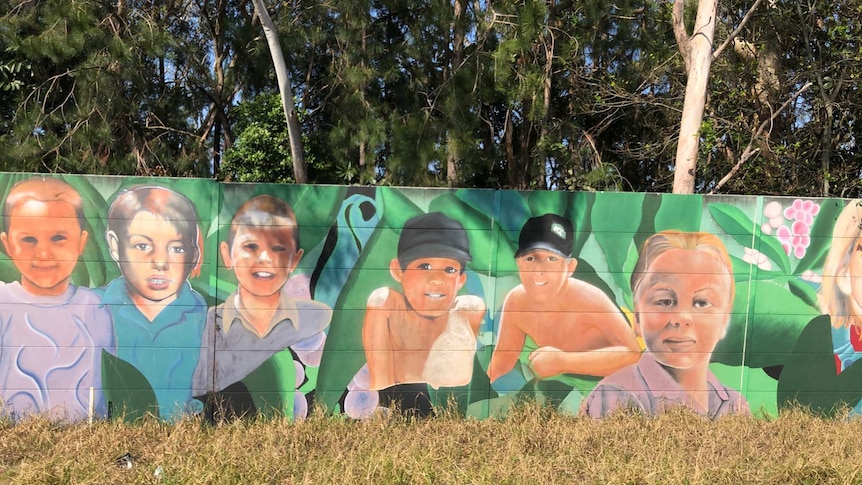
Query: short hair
x=664, y=241
x=168, y=204
x=263, y=211
x=845, y=236
x=42, y=189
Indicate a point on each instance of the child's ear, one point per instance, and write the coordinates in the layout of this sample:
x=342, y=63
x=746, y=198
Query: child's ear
x=637, y=325
x=395, y=270
x=83, y=244
x=462, y=278
x=224, y=249
x=294, y=262
x=113, y=245
x=5, y=241
x=572, y=265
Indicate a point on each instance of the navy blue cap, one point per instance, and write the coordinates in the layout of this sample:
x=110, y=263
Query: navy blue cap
x=433, y=235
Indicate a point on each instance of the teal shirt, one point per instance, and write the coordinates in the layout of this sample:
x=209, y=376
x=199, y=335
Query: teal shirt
x=166, y=350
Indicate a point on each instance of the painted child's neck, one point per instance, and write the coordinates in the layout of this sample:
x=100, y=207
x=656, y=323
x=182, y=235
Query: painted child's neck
x=258, y=309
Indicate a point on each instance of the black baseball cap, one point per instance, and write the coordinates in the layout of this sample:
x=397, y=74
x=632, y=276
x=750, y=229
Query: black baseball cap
x=549, y=232
x=433, y=235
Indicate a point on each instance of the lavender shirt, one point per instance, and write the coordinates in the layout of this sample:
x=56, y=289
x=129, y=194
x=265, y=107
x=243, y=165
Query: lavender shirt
x=647, y=387
x=51, y=351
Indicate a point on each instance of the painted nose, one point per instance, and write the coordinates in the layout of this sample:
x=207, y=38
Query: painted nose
x=683, y=318
x=264, y=257
x=160, y=260
x=43, y=252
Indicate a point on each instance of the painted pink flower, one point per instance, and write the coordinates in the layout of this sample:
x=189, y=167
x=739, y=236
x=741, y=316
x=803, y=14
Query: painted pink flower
x=795, y=239
x=802, y=211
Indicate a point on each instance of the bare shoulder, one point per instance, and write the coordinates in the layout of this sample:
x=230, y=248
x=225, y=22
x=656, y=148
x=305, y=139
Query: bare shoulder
x=516, y=300
x=469, y=303
x=379, y=298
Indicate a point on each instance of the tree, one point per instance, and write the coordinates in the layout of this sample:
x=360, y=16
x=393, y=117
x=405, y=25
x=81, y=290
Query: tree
x=696, y=50
x=300, y=172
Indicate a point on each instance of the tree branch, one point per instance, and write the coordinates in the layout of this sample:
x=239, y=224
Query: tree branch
x=682, y=39
x=736, y=31
x=750, y=151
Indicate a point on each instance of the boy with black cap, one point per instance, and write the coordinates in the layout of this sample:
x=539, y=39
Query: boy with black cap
x=574, y=326
x=428, y=333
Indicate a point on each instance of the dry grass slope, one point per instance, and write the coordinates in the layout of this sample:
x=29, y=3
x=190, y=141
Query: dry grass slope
x=532, y=445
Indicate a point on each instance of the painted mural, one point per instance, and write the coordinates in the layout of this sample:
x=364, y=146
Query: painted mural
x=123, y=297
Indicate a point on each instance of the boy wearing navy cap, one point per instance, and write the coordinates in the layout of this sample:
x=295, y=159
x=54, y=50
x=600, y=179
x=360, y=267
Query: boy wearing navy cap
x=574, y=326
x=428, y=333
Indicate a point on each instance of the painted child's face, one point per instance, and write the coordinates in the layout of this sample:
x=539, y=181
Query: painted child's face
x=44, y=240
x=544, y=273
x=684, y=307
x=430, y=284
x=154, y=257
x=262, y=257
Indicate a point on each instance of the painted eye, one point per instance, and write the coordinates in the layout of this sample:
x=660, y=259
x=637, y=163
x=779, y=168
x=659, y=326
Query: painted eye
x=450, y=270
x=279, y=249
x=664, y=302
x=702, y=303
x=58, y=238
x=251, y=246
x=529, y=259
x=424, y=266
x=29, y=240
x=143, y=247
x=553, y=258
x=177, y=249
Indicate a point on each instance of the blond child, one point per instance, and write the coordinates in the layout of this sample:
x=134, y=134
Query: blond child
x=683, y=290
x=45, y=314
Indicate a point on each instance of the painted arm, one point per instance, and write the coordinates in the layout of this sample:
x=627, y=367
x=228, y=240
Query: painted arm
x=376, y=339
x=509, y=344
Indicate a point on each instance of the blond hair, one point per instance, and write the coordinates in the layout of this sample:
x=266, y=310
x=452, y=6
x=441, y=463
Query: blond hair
x=845, y=236
x=664, y=241
x=42, y=189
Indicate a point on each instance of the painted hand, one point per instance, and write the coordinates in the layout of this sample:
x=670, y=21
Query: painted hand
x=544, y=361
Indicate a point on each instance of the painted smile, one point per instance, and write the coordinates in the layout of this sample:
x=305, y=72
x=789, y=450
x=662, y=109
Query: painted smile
x=435, y=295
x=263, y=275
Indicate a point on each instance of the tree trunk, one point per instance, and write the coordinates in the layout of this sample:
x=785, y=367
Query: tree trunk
x=294, y=134
x=696, y=50
x=453, y=153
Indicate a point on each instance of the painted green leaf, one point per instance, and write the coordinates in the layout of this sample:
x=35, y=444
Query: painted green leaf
x=127, y=392
x=484, y=236
x=580, y=210
x=549, y=202
x=741, y=228
x=615, y=220
x=821, y=232
x=765, y=333
x=678, y=211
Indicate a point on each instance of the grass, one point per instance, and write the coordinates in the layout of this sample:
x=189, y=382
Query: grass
x=531, y=445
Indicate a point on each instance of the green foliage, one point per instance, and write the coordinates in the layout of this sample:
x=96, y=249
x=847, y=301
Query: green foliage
x=261, y=152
